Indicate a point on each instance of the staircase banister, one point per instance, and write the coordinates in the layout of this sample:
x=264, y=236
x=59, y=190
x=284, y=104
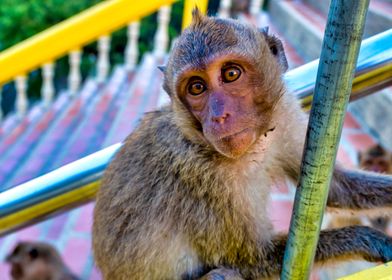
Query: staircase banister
x=71, y=34
x=77, y=182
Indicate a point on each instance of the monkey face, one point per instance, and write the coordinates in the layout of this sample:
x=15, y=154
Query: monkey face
x=224, y=79
x=31, y=260
x=376, y=159
x=222, y=99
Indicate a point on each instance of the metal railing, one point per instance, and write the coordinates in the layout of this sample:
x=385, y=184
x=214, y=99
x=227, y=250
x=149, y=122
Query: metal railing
x=77, y=182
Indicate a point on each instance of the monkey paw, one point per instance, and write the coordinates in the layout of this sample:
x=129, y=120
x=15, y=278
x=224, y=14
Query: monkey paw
x=222, y=274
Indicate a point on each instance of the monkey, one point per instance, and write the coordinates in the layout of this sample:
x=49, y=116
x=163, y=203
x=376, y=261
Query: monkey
x=37, y=261
x=375, y=159
x=186, y=195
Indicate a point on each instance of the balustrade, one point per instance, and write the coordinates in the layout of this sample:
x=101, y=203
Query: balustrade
x=224, y=8
x=47, y=83
x=21, y=95
x=162, y=35
x=74, y=78
x=132, y=51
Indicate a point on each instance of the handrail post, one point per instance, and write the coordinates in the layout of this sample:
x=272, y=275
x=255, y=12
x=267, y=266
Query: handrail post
x=338, y=59
x=189, y=5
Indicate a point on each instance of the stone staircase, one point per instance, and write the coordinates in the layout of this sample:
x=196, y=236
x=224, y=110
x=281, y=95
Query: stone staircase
x=103, y=114
x=303, y=23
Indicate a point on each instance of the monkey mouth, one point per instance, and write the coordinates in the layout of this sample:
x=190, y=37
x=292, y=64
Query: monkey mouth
x=235, y=144
x=233, y=135
x=16, y=271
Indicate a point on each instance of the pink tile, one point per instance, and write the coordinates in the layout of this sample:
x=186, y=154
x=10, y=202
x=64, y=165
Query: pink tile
x=95, y=274
x=85, y=220
x=280, y=215
x=5, y=271
x=350, y=122
x=360, y=141
x=57, y=226
x=344, y=158
x=76, y=253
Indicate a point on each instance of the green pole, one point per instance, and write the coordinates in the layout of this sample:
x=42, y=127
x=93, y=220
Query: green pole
x=339, y=55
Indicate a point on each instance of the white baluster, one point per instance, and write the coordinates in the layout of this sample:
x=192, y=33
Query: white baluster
x=47, y=83
x=224, y=8
x=255, y=7
x=132, y=51
x=103, y=58
x=21, y=95
x=74, y=77
x=162, y=35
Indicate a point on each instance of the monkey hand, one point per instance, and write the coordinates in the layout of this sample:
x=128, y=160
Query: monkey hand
x=222, y=274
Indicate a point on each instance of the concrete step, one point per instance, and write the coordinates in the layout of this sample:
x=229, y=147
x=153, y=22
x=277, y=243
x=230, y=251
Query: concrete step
x=51, y=142
x=379, y=17
x=89, y=135
x=18, y=150
x=142, y=96
x=303, y=23
x=15, y=127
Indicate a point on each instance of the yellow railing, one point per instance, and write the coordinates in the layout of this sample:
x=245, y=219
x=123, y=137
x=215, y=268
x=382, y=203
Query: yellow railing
x=72, y=34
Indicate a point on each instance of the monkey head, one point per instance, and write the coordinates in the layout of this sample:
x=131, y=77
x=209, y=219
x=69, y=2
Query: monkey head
x=224, y=80
x=376, y=159
x=33, y=260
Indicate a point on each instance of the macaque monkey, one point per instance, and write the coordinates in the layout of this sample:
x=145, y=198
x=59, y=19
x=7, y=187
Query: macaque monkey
x=375, y=159
x=186, y=196
x=37, y=261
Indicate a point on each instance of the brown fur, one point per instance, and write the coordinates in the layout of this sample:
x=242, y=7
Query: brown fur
x=173, y=206
x=37, y=261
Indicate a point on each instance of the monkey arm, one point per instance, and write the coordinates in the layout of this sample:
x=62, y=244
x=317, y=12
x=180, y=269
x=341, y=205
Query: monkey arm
x=359, y=190
x=347, y=243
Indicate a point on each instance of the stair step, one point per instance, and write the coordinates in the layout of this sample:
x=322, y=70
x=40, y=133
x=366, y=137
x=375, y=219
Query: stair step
x=379, y=17
x=19, y=128
x=89, y=135
x=23, y=145
x=294, y=58
x=141, y=95
x=51, y=143
x=301, y=24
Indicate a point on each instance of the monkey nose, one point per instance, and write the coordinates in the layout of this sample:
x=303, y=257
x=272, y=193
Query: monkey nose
x=221, y=118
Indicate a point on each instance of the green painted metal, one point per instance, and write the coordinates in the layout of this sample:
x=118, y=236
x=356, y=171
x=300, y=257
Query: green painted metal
x=339, y=55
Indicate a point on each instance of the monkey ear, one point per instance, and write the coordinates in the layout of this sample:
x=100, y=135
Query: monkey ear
x=162, y=68
x=276, y=47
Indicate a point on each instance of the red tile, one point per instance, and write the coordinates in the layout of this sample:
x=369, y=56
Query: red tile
x=350, y=122
x=280, y=215
x=360, y=141
x=75, y=254
x=85, y=220
x=344, y=158
x=5, y=271
x=95, y=274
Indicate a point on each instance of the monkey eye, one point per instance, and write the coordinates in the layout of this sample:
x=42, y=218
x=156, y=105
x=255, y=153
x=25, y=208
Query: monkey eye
x=33, y=253
x=231, y=74
x=196, y=88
